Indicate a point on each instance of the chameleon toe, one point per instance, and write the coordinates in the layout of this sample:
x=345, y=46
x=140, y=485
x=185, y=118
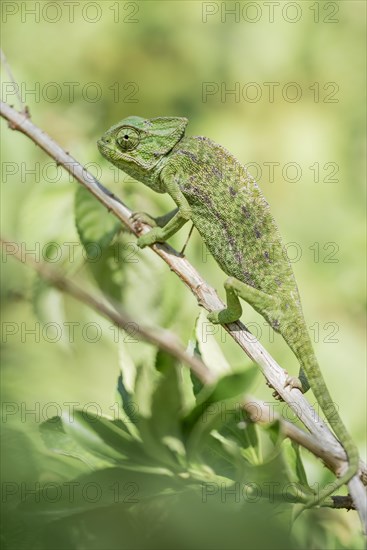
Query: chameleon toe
x=293, y=382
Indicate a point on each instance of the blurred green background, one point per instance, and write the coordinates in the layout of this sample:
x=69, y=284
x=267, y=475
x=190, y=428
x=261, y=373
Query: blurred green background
x=283, y=90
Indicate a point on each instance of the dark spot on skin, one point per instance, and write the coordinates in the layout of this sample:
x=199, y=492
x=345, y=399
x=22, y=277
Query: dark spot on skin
x=239, y=258
x=266, y=254
x=246, y=212
x=248, y=279
x=257, y=233
x=216, y=172
x=200, y=194
x=188, y=186
x=192, y=156
x=232, y=191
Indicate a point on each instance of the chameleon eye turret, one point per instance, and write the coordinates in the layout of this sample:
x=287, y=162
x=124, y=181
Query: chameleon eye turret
x=128, y=138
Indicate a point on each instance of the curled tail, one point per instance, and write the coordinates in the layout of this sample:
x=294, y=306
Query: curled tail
x=311, y=376
x=316, y=381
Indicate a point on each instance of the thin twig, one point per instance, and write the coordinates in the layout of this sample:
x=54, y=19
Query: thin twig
x=8, y=70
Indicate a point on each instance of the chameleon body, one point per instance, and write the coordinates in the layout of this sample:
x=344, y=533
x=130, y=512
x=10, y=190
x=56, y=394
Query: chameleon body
x=213, y=190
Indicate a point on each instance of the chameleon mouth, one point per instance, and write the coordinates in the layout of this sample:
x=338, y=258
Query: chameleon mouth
x=103, y=147
x=110, y=153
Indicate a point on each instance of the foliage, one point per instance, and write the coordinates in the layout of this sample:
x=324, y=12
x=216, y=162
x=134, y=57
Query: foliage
x=150, y=472
x=149, y=443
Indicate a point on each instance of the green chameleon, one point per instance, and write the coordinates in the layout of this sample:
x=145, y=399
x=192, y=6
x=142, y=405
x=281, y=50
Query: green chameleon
x=213, y=190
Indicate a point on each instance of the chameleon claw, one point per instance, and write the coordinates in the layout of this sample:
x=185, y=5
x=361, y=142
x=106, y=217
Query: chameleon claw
x=140, y=218
x=293, y=382
x=276, y=396
x=141, y=242
x=213, y=317
x=153, y=236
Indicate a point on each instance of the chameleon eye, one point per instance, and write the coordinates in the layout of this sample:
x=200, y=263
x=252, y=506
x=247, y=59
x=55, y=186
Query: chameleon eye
x=128, y=138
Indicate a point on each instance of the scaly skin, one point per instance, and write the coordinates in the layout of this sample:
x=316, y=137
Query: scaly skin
x=213, y=190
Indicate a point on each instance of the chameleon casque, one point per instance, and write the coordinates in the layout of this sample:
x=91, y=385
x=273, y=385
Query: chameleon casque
x=212, y=189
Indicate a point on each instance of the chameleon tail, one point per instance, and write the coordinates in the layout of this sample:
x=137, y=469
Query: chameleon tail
x=309, y=365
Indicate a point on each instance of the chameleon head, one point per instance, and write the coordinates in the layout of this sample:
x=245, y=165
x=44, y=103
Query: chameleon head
x=135, y=144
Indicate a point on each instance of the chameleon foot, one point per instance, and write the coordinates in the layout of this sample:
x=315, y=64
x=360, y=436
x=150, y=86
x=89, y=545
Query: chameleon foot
x=142, y=217
x=233, y=311
x=152, y=237
x=222, y=316
x=276, y=396
x=293, y=382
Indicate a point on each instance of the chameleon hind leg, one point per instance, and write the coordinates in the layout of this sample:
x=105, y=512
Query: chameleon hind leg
x=263, y=303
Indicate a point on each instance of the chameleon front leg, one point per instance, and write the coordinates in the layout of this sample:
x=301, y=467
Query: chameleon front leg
x=171, y=222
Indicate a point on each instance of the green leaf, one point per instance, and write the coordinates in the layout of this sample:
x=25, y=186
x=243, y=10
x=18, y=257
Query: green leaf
x=127, y=402
x=230, y=385
x=147, y=379
x=244, y=432
x=95, y=225
x=96, y=228
x=128, y=411
x=294, y=464
x=94, y=491
x=57, y=440
x=193, y=349
x=166, y=401
x=161, y=432
x=49, y=307
x=227, y=387
x=231, y=452
x=101, y=436
x=108, y=272
x=128, y=368
x=274, y=429
x=211, y=409
x=186, y=388
x=165, y=362
x=210, y=351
